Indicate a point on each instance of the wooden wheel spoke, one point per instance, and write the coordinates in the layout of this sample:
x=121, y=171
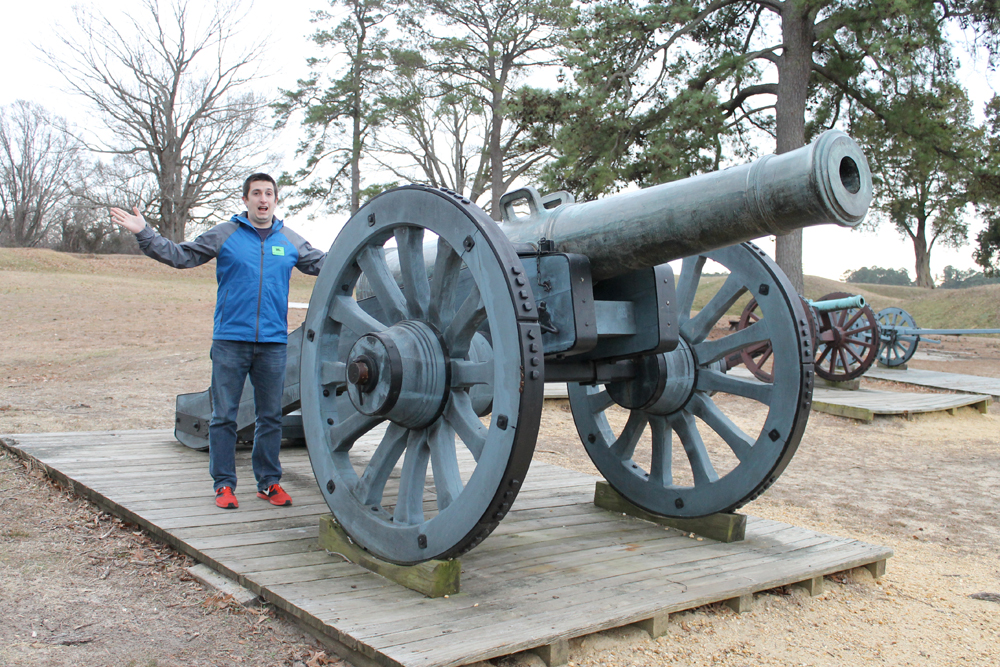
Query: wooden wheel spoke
x=706, y=409
x=347, y=311
x=413, y=270
x=701, y=465
x=845, y=363
x=470, y=315
x=371, y=486
x=849, y=348
x=444, y=463
x=410, y=502
x=687, y=285
x=599, y=402
x=660, y=471
x=826, y=349
x=713, y=380
x=462, y=417
x=333, y=373
x=696, y=328
x=380, y=279
x=713, y=350
x=466, y=373
x=624, y=447
x=344, y=434
x=855, y=316
x=447, y=265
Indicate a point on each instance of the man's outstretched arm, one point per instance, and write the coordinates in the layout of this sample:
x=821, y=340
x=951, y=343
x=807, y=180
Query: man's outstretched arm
x=178, y=255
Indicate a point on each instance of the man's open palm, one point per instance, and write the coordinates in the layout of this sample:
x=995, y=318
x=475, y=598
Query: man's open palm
x=134, y=223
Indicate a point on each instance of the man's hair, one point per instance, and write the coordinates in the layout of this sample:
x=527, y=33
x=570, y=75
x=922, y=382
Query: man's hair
x=258, y=177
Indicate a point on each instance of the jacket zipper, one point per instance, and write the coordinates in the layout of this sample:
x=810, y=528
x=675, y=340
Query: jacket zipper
x=260, y=292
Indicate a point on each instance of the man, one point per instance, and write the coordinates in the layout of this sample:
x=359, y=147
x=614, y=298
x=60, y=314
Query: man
x=254, y=254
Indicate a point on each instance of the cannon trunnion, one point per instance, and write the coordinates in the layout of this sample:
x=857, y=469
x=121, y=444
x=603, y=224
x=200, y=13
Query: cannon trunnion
x=459, y=322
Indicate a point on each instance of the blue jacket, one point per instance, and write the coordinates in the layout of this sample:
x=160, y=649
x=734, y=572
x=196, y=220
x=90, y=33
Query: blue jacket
x=252, y=301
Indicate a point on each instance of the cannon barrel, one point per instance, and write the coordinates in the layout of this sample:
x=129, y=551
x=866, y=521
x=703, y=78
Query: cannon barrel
x=827, y=181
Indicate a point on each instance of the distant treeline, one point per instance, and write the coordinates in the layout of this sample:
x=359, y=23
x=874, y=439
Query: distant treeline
x=951, y=278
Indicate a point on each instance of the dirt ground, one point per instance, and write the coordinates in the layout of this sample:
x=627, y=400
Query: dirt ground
x=106, y=343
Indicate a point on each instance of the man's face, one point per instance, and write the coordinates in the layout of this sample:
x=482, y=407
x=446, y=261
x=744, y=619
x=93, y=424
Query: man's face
x=261, y=201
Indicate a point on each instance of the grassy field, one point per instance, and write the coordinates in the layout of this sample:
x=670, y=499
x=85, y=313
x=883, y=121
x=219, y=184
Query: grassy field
x=975, y=307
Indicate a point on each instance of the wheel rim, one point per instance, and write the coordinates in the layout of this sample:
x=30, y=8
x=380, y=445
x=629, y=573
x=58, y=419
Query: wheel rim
x=439, y=480
x=847, y=344
x=896, y=349
x=760, y=457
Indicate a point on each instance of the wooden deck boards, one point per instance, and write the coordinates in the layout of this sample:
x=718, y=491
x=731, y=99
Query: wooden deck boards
x=865, y=404
x=557, y=567
x=968, y=384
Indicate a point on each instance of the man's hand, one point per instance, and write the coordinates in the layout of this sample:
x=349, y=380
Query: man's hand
x=134, y=223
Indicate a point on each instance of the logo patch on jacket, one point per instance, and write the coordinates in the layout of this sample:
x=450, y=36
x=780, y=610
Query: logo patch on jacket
x=278, y=250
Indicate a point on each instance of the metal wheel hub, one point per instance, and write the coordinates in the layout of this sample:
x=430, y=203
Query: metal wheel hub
x=663, y=383
x=400, y=373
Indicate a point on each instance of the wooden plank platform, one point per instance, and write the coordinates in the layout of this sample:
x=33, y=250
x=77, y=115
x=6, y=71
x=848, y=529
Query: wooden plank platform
x=968, y=384
x=558, y=567
x=865, y=404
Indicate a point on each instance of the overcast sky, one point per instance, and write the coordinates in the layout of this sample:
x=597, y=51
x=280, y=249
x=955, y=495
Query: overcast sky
x=828, y=251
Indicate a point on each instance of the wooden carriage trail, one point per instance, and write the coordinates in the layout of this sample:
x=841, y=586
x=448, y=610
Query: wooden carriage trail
x=558, y=567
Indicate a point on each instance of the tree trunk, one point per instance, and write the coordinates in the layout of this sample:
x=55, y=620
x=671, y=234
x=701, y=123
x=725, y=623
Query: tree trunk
x=496, y=155
x=923, y=265
x=794, y=67
x=356, y=163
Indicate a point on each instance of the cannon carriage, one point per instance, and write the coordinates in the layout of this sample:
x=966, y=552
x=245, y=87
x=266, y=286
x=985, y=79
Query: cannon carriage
x=443, y=326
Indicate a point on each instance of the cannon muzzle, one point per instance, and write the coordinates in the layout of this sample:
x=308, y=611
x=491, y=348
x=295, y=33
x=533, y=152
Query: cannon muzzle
x=826, y=182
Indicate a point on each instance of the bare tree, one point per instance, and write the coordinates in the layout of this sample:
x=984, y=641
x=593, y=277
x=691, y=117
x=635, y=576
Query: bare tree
x=37, y=160
x=482, y=50
x=173, y=89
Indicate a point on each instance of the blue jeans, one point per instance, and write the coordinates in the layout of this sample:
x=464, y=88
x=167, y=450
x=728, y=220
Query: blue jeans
x=231, y=362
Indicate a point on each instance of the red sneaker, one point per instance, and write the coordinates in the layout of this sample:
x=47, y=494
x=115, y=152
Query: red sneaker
x=275, y=495
x=225, y=499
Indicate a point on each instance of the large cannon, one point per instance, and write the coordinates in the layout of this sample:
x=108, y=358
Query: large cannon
x=428, y=318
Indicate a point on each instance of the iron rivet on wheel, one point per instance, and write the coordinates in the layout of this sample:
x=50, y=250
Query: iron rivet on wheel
x=591, y=438
x=311, y=334
x=330, y=486
x=371, y=219
x=763, y=289
x=326, y=393
x=534, y=375
x=422, y=541
x=774, y=435
x=469, y=243
x=678, y=503
x=329, y=420
x=502, y=422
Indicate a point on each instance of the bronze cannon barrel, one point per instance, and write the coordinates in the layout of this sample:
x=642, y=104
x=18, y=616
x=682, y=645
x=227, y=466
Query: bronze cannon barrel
x=827, y=181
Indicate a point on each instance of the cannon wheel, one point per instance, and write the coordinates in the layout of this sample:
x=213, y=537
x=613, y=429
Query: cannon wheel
x=756, y=356
x=896, y=350
x=438, y=480
x=675, y=391
x=847, y=344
